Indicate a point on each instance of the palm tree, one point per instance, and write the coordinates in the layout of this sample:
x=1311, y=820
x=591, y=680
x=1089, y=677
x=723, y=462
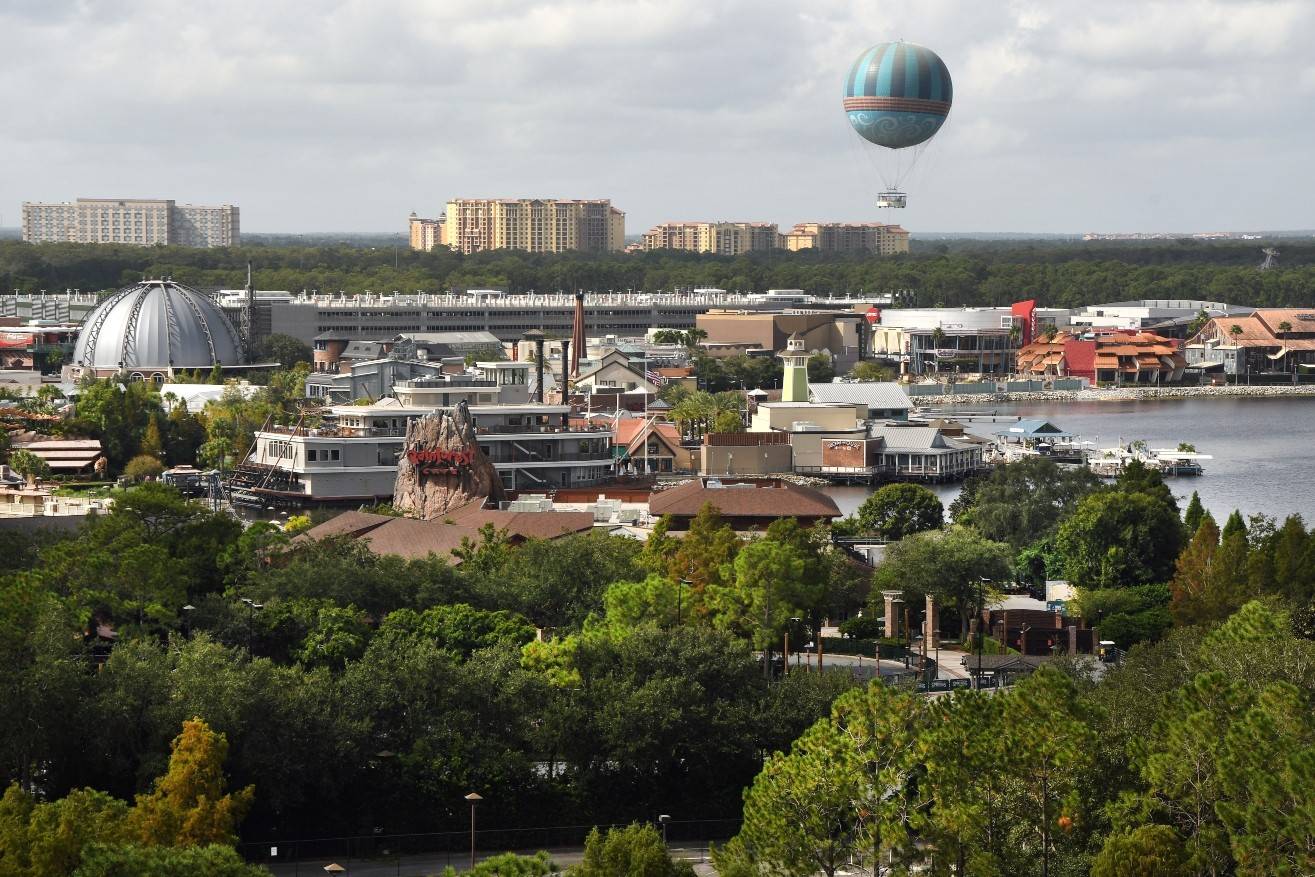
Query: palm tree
x=1283, y=329
x=937, y=338
x=1236, y=330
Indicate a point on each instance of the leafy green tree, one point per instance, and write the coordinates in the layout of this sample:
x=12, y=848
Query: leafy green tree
x=1137, y=477
x=653, y=601
x=1146, y=851
x=1115, y=539
x=1130, y=615
x=286, y=350
x=728, y=421
x=152, y=440
x=1193, y=514
x=767, y=587
x=634, y=851
x=1266, y=770
x=884, y=731
x=898, y=510
x=870, y=371
x=1048, y=747
x=461, y=628
x=800, y=814
x=29, y=465
x=706, y=549
x=46, y=839
x=821, y=369
x=968, y=818
x=1024, y=501
x=947, y=564
x=118, y=414
x=184, y=435
x=142, y=467
x=1193, y=573
x=121, y=860
x=559, y=582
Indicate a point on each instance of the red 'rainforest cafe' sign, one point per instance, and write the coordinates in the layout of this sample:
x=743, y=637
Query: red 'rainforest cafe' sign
x=438, y=461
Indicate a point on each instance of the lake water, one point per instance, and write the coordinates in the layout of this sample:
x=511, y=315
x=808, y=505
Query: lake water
x=1262, y=448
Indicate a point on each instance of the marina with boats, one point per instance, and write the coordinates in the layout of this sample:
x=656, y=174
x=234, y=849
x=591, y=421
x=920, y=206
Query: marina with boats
x=1021, y=437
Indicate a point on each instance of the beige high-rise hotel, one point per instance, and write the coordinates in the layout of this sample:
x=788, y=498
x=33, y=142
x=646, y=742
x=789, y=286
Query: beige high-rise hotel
x=733, y=238
x=536, y=225
x=724, y=238
x=137, y=221
x=848, y=237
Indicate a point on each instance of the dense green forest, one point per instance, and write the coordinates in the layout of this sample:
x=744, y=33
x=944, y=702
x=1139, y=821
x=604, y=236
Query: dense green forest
x=1065, y=274
x=415, y=682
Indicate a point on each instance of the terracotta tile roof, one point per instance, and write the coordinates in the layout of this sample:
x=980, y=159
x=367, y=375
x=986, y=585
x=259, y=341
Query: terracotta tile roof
x=769, y=501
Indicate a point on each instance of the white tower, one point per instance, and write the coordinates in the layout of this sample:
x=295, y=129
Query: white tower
x=794, y=387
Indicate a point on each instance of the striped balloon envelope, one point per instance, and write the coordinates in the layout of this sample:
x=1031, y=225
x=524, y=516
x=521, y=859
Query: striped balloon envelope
x=897, y=95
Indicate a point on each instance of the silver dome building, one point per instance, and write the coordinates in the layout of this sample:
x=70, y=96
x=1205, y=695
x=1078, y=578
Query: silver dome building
x=153, y=329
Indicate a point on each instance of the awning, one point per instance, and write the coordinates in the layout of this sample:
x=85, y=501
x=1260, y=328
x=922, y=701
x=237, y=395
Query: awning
x=1205, y=366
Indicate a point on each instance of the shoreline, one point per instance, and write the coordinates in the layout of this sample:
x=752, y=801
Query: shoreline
x=1123, y=394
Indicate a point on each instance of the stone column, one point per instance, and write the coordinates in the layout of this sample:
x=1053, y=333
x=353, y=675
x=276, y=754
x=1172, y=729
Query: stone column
x=893, y=605
x=1072, y=639
x=930, y=623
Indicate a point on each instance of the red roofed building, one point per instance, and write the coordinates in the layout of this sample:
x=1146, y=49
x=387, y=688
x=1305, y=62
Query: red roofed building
x=1111, y=356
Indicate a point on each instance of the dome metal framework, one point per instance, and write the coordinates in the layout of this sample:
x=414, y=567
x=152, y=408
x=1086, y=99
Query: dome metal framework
x=156, y=326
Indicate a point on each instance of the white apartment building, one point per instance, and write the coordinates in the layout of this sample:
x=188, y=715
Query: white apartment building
x=135, y=221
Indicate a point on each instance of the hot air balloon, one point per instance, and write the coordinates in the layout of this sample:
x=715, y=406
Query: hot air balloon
x=897, y=96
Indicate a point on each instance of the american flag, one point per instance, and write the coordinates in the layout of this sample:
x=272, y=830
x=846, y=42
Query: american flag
x=654, y=378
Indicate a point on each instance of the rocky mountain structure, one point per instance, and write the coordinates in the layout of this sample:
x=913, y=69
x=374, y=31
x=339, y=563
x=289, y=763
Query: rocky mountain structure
x=442, y=467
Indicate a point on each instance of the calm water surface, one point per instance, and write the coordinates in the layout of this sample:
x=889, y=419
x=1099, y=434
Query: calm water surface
x=1263, y=449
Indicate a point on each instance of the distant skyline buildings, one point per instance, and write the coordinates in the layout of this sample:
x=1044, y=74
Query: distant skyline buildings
x=533, y=225
x=734, y=238
x=472, y=225
x=135, y=221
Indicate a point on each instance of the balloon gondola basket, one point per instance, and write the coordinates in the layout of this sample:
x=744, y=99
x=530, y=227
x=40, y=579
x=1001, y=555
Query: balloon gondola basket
x=892, y=199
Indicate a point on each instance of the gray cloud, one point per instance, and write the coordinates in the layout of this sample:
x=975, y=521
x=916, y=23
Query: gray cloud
x=348, y=115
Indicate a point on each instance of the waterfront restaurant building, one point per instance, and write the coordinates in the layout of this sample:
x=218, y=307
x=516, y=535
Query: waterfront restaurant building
x=1270, y=341
x=1111, y=356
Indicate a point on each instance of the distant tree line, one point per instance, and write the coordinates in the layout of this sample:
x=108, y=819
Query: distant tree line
x=1061, y=274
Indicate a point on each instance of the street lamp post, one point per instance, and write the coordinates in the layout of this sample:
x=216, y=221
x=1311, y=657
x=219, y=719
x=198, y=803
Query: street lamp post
x=252, y=606
x=187, y=620
x=664, y=819
x=474, y=798
x=680, y=588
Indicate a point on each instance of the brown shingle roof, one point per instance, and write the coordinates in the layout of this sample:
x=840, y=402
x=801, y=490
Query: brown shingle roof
x=769, y=500
x=414, y=539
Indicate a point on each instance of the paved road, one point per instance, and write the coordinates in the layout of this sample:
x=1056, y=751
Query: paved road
x=427, y=865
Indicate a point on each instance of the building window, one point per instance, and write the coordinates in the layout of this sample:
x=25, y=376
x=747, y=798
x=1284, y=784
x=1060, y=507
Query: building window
x=310, y=456
x=333, y=454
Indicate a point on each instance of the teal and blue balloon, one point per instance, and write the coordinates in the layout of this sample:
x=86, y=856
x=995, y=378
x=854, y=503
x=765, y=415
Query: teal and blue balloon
x=897, y=95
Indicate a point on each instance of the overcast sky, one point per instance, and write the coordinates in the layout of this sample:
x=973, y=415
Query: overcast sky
x=314, y=115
